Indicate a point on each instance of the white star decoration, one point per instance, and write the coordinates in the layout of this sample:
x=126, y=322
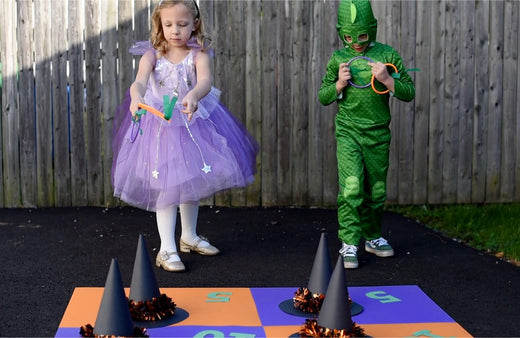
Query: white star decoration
x=207, y=168
x=155, y=174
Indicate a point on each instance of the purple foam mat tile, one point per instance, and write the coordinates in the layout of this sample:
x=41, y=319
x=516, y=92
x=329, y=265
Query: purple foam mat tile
x=396, y=305
x=267, y=302
x=208, y=331
x=67, y=332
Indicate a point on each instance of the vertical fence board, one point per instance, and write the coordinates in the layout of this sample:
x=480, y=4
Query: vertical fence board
x=78, y=162
x=422, y=97
x=44, y=103
x=299, y=109
x=230, y=67
x=517, y=109
x=109, y=91
x=252, y=94
x=510, y=92
x=142, y=19
x=478, y=188
x=436, y=103
x=60, y=116
x=451, y=103
x=495, y=106
x=93, y=107
x=406, y=110
x=269, y=88
x=467, y=97
x=284, y=101
x=392, y=31
x=125, y=39
x=10, y=155
x=4, y=42
x=237, y=86
x=142, y=26
x=26, y=107
x=222, y=70
x=328, y=113
x=208, y=10
x=379, y=9
x=314, y=176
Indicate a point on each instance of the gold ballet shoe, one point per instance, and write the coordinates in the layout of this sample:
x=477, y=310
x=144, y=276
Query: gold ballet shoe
x=165, y=260
x=208, y=250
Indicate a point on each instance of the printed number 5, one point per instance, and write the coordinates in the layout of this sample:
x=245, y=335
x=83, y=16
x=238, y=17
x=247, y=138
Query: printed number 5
x=382, y=296
x=218, y=297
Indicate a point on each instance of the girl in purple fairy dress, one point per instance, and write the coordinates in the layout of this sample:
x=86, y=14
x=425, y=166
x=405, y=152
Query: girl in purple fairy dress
x=194, y=150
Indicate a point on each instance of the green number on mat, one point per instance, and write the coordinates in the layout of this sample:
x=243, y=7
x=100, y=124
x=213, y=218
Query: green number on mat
x=218, y=297
x=382, y=296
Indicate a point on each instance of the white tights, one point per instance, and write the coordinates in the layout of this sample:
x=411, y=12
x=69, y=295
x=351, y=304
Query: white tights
x=166, y=222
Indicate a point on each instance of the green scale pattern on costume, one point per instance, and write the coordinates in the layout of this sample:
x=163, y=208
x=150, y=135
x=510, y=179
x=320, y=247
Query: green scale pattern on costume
x=362, y=125
x=364, y=108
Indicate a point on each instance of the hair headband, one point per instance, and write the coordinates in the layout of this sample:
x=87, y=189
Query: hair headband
x=196, y=7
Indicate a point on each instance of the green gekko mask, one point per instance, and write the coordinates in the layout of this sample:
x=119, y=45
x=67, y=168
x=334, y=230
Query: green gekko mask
x=356, y=19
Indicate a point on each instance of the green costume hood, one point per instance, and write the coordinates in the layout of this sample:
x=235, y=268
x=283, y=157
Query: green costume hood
x=355, y=17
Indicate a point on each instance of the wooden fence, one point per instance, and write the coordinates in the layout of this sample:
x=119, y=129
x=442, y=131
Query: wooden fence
x=65, y=67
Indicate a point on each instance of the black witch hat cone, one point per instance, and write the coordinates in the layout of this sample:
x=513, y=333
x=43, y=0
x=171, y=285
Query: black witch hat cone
x=321, y=268
x=335, y=311
x=308, y=300
x=113, y=317
x=144, y=285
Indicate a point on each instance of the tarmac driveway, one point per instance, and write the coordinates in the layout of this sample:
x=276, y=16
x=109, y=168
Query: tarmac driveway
x=48, y=252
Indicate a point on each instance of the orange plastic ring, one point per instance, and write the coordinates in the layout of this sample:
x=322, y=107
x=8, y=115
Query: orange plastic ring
x=374, y=77
x=152, y=110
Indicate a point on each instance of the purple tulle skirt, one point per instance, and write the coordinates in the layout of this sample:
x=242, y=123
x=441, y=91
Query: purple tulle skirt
x=157, y=163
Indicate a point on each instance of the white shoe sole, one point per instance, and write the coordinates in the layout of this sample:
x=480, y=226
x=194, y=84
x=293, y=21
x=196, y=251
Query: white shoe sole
x=378, y=253
x=350, y=265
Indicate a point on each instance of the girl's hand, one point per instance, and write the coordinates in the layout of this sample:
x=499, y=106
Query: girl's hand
x=138, y=87
x=133, y=106
x=343, y=77
x=190, y=105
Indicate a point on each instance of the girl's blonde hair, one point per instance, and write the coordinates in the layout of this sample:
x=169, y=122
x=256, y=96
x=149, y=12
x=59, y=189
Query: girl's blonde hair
x=157, y=35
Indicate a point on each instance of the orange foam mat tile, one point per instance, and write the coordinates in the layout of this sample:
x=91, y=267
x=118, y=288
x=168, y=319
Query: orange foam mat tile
x=205, y=306
x=415, y=330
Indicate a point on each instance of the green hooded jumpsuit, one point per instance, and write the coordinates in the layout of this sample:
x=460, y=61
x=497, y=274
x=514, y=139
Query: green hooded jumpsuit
x=362, y=123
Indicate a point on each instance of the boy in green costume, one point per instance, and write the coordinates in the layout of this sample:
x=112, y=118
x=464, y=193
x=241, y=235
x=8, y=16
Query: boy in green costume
x=362, y=126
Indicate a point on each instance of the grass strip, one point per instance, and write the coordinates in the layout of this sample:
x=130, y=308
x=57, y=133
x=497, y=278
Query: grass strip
x=493, y=228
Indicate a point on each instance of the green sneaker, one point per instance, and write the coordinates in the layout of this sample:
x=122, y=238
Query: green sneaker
x=379, y=247
x=349, y=253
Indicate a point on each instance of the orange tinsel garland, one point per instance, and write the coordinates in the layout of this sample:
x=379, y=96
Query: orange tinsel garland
x=312, y=329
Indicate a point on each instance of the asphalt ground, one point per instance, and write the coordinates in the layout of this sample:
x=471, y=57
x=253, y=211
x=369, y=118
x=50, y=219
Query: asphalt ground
x=47, y=252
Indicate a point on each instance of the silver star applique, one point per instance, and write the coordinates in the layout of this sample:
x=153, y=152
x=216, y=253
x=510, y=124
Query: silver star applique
x=155, y=174
x=206, y=169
